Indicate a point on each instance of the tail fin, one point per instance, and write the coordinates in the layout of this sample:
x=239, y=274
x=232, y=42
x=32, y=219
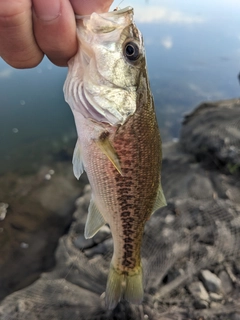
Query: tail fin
x=122, y=286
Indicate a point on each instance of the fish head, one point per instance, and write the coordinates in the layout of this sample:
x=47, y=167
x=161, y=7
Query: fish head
x=104, y=76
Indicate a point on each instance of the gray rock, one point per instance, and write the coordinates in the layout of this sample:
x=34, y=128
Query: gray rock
x=81, y=243
x=215, y=305
x=198, y=291
x=235, y=223
x=226, y=282
x=218, y=143
x=3, y=210
x=215, y=297
x=102, y=234
x=201, y=304
x=39, y=211
x=211, y=281
x=102, y=248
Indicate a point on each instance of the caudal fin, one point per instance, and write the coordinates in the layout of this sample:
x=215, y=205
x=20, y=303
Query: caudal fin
x=122, y=286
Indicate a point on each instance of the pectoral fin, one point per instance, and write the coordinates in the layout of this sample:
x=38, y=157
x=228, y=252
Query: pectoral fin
x=94, y=222
x=77, y=162
x=160, y=200
x=107, y=148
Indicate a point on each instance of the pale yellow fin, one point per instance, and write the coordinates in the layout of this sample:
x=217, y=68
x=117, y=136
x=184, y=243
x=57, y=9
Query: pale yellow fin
x=122, y=286
x=107, y=148
x=160, y=200
x=78, y=167
x=94, y=221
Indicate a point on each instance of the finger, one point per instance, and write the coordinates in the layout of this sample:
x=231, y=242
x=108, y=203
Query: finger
x=55, y=29
x=17, y=44
x=88, y=6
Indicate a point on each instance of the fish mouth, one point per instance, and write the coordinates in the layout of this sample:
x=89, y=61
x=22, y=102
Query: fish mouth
x=115, y=12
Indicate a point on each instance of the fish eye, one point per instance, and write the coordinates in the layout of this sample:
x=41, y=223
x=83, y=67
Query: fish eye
x=131, y=51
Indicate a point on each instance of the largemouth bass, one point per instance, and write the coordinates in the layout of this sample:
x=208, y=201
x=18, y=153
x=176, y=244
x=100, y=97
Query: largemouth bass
x=118, y=144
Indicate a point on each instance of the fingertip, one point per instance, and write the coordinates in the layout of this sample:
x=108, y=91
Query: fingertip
x=26, y=61
x=56, y=37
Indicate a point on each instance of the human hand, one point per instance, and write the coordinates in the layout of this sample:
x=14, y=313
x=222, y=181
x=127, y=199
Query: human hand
x=31, y=28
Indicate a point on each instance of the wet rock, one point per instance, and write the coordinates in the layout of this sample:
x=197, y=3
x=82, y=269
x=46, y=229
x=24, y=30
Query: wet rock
x=211, y=281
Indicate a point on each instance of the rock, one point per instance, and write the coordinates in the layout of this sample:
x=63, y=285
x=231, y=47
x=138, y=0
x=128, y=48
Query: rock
x=38, y=212
x=82, y=243
x=215, y=297
x=235, y=223
x=204, y=234
x=3, y=210
x=201, y=304
x=215, y=305
x=198, y=291
x=211, y=281
x=102, y=234
x=218, y=143
x=101, y=248
x=226, y=282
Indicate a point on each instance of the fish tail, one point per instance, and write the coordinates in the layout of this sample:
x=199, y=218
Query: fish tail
x=127, y=286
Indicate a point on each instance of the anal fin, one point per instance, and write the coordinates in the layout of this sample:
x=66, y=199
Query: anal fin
x=94, y=221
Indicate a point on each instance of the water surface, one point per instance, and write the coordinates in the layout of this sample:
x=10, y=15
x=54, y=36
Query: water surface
x=193, y=54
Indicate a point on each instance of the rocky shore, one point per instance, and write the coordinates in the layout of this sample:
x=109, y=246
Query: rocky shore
x=191, y=252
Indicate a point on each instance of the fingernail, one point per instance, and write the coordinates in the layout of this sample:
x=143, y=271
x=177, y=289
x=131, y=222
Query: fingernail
x=47, y=10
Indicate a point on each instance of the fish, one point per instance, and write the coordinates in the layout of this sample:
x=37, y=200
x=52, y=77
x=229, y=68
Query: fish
x=119, y=143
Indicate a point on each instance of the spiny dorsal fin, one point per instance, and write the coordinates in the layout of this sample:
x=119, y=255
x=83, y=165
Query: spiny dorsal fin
x=160, y=200
x=77, y=162
x=107, y=148
x=94, y=221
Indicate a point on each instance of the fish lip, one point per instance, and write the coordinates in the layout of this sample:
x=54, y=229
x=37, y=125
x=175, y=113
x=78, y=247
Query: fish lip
x=106, y=14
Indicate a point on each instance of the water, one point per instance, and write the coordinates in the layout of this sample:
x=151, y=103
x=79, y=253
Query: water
x=193, y=53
